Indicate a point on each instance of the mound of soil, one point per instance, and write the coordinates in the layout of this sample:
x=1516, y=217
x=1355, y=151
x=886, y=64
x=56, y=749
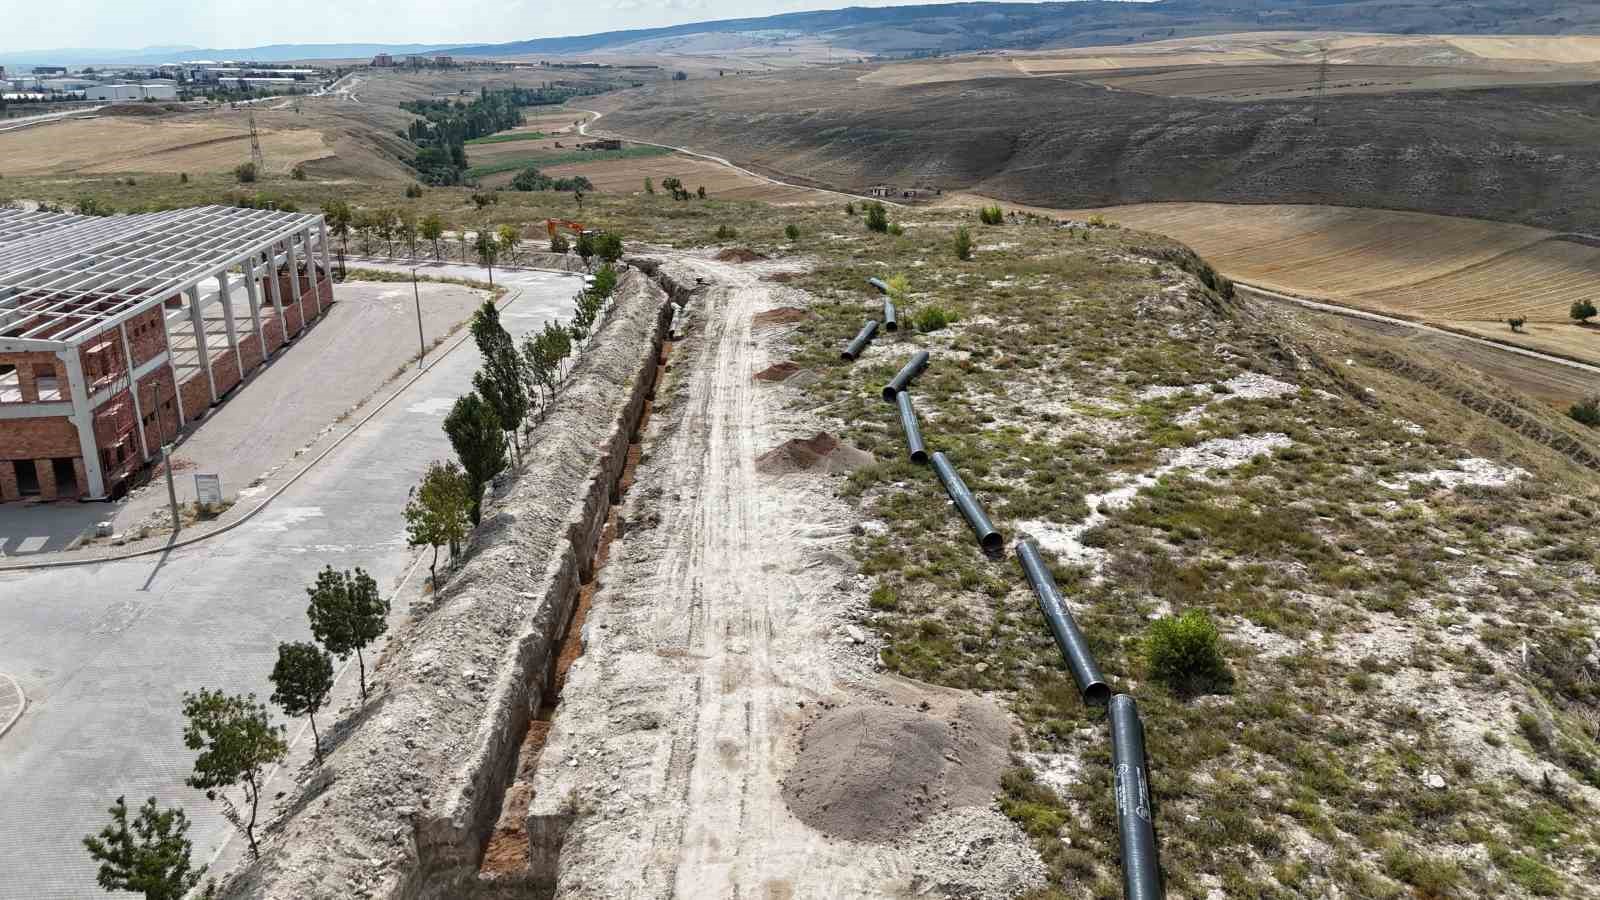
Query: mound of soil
x=783, y=315
x=779, y=277
x=872, y=770
x=820, y=453
x=739, y=255
x=778, y=372
x=141, y=109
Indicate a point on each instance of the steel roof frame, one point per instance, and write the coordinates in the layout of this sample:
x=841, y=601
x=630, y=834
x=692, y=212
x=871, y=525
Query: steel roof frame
x=62, y=275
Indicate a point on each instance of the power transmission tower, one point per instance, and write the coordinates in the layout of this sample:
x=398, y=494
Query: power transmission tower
x=1320, y=104
x=255, y=146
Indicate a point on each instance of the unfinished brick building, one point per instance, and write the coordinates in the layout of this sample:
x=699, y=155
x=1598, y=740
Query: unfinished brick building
x=117, y=333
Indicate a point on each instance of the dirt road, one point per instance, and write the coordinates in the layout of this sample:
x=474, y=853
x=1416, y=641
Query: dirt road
x=720, y=629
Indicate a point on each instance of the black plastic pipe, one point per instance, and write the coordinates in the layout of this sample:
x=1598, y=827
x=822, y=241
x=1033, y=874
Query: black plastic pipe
x=890, y=323
x=1141, y=871
x=988, y=538
x=902, y=379
x=908, y=423
x=1074, y=649
x=862, y=339
x=879, y=284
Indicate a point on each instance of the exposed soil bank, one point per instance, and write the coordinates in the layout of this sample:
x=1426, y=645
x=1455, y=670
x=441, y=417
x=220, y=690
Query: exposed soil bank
x=407, y=802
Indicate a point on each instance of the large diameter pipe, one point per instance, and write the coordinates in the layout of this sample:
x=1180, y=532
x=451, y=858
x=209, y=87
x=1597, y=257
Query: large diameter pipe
x=862, y=339
x=908, y=423
x=1074, y=649
x=1141, y=870
x=878, y=283
x=988, y=538
x=902, y=379
x=890, y=323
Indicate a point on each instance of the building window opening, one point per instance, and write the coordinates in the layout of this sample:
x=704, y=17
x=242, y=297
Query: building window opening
x=27, y=478
x=10, y=385
x=44, y=378
x=66, y=477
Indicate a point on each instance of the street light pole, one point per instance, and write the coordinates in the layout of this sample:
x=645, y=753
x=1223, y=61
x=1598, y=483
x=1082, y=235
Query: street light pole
x=166, y=456
x=422, y=345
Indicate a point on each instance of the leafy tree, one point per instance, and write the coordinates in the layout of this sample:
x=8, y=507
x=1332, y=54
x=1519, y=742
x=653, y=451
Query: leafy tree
x=1586, y=412
x=877, y=217
x=500, y=380
x=649, y=186
x=245, y=172
x=1185, y=653
x=1584, y=310
x=488, y=251
x=991, y=215
x=899, y=286
x=791, y=231
x=850, y=208
x=338, y=214
x=405, y=228
x=508, y=236
x=585, y=248
x=963, y=243
x=236, y=743
x=436, y=512
x=151, y=858
x=608, y=247
x=480, y=445
x=301, y=680
x=347, y=613
x=542, y=356
x=432, y=229
x=605, y=281
x=1517, y=323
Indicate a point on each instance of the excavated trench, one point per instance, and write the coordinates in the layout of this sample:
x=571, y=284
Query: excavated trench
x=508, y=867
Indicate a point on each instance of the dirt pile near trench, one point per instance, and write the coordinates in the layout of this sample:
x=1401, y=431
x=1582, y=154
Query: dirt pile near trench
x=873, y=769
x=783, y=315
x=778, y=372
x=820, y=453
x=739, y=255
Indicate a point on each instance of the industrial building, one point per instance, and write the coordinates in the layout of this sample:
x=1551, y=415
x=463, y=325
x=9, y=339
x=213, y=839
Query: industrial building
x=158, y=90
x=118, y=333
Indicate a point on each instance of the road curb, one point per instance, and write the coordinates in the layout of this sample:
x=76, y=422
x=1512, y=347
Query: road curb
x=23, y=707
x=512, y=297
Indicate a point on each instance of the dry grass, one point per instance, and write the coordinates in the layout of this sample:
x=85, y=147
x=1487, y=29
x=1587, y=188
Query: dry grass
x=123, y=145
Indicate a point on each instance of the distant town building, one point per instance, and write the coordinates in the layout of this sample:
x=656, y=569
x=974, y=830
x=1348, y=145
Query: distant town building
x=157, y=91
x=444, y=60
x=601, y=144
x=383, y=59
x=49, y=70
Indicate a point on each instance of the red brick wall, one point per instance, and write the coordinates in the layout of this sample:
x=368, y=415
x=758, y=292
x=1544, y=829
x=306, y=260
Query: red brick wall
x=160, y=428
x=8, y=481
x=250, y=350
x=46, y=437
x=292, y=319
x=25, y=363
x=196, y=396
x=225, y=371
x=272, y=330
x=146, y=337
x=308, y=307
x=114, y=420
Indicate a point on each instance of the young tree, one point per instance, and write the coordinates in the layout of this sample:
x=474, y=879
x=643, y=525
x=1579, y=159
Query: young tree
x=850, y=208
x=338, y=215
x=301, y=680
x=701, y=191
x=877, y=217
x=436, y=512
x=432, y=229
x=1583, y=311
x=963, y=243
x=405, y=227
x=500, y=380
x=605, y=281
x=488, y=250
x=792, y=232
x=1517, y=322
x=151, y=858
x=608, y=247
x=347, y=613
x=507, y=236
x=649, y=186
x=236, y=743
x=585, y=248
x=480, y=444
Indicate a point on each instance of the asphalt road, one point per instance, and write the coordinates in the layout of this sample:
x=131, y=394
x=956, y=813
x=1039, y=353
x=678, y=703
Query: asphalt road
x=104, y=652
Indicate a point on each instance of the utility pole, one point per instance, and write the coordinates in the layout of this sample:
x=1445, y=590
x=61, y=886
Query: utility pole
x=255, y=147
x=416, y=295
x=1321, y=103
x=166, y=456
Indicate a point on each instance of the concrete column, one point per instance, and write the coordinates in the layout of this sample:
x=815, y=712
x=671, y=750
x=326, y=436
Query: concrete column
x=198, y=323
x=252, y=294
x=94, y=484
x=166, y=333
x=225, y=294
x=275, y=291
x=294, y=276
x=8, y=481
x=133, y=391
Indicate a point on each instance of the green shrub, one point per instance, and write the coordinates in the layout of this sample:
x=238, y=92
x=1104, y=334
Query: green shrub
x=413, y=190
x=896, y=229
x=1431, y=877
x=933, y=318
x=791, y=231
x=245, y=172
x=1584, y=310
x=877, y=217
x=1587, y=412
x=963, y=243
x=991, y=215
x=850, y=208
x=1185, y=654
x=725, y=232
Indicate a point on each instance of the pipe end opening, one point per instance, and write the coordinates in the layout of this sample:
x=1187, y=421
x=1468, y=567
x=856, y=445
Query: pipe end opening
x=891, y=326
x=888, y=394
x=847, y=356
x=1097, y=694
x=992, y=542
x=919, y=456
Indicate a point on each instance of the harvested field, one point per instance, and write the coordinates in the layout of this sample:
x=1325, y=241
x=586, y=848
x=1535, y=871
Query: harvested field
x=126, y=144
x=628, y=175
x=1461, y=273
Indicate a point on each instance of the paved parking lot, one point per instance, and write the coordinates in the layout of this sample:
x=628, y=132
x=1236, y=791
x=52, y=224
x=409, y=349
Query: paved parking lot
x=105, y=651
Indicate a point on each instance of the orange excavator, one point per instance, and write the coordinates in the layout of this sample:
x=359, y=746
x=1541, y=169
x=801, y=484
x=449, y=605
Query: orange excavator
x=555, y=225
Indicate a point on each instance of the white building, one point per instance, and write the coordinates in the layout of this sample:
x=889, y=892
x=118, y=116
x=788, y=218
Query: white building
x=132, y=92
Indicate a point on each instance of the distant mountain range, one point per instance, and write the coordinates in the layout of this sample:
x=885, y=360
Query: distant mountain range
x=151, y=56
x=957, y=27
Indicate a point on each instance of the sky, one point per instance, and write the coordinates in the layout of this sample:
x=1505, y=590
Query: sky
x=132, y=24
